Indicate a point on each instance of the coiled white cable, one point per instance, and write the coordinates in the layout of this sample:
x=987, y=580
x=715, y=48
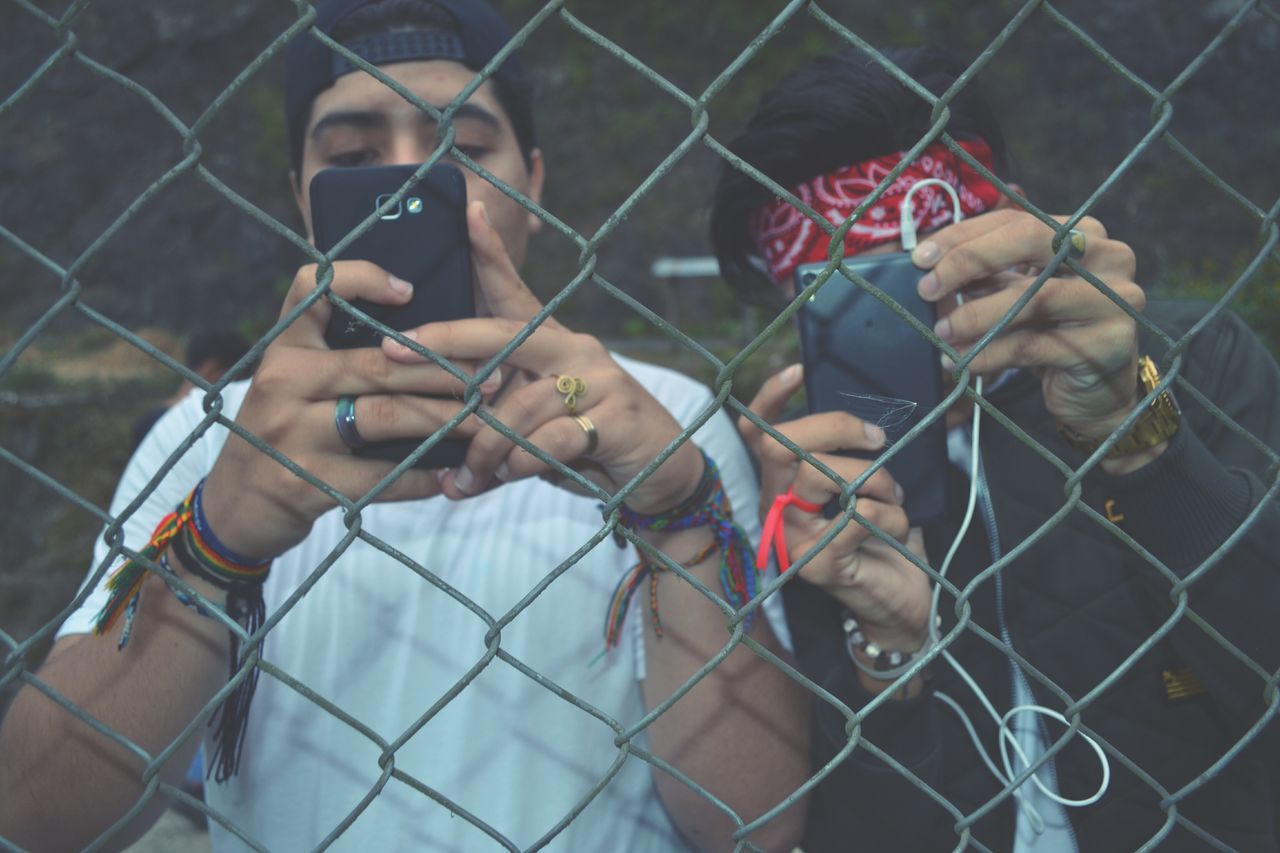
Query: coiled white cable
x=1006, y=735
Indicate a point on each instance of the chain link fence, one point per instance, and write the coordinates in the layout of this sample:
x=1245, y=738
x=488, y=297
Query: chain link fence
x=20, y=653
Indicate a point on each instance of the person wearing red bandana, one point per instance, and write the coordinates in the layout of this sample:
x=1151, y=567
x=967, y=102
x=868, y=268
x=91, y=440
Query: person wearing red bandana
x=1043, y=602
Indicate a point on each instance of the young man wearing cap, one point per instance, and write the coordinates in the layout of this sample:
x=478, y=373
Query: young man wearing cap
x=394, y=710
x=1094, y=621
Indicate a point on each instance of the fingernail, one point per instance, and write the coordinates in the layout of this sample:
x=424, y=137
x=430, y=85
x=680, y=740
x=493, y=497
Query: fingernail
x=926, y=254
x=898, y=493
x=947, y=363
x=791, y=375
x=502, y=472
x=484, y=213
x=928, y=286
x=400, y=346
x=493, y=383
x=464, y=479
x=399, y=285
x=875, y=434
x=943, y=329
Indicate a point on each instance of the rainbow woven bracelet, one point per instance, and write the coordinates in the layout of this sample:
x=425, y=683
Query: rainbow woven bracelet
x=186, y=533
x=708, y=506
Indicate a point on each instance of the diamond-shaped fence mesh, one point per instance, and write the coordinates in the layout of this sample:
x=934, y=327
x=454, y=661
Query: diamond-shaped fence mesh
x=21, y=654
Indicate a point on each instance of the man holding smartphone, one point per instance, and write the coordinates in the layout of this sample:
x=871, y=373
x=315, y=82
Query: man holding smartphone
x=1087, y=616
x=405, y=683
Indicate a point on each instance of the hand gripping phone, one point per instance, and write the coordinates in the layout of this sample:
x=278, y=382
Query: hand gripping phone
x=422, y=239
x=862, y=358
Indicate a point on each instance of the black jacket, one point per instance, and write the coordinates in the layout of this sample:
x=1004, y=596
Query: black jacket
x=1099, y=621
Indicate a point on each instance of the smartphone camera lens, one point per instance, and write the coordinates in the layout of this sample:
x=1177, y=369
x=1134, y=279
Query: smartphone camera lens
x=393, y=213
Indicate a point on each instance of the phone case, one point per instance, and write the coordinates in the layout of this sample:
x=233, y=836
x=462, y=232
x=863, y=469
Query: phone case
x=861, y=357
x=423, y=240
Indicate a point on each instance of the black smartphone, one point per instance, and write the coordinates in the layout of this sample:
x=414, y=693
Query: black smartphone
x=861, y=357
x=422, y=239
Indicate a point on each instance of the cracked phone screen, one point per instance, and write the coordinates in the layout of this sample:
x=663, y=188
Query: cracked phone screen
x=862, y=356
x=889, y=413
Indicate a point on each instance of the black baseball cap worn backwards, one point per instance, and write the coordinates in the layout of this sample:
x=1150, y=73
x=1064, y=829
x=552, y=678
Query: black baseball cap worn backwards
x=311, y=67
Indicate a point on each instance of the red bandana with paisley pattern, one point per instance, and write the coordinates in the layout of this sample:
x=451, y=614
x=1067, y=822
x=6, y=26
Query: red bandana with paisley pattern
x=785, y=238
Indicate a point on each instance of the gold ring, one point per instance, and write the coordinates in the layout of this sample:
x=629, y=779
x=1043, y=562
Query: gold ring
x=593, y=437
x=572, y=388
x=1077, y=242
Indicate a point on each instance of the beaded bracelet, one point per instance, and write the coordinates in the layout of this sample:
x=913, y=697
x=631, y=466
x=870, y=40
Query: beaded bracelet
x=186, y=532
x=886, y=664
x=708, y=506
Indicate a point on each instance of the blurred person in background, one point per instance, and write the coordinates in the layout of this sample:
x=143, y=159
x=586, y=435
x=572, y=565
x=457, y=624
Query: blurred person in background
x=1076, y=603
x=209, y=354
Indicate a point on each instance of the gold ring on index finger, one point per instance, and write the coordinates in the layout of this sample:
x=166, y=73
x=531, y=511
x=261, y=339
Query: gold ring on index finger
x=572, y=388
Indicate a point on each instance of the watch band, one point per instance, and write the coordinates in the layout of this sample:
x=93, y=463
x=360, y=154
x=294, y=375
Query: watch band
x=1157, y=424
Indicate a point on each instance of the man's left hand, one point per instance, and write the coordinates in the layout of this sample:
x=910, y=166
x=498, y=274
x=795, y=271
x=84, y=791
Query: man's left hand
x=1080, y=343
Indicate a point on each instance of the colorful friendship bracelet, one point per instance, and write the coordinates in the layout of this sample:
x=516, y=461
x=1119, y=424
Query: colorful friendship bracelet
x=187, y=533
x=620, y=604
x=708, y=506
x=220, y=560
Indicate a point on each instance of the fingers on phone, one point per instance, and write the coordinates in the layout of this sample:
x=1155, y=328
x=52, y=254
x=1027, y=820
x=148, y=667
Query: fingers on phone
x=562, y=439
x=351, y=280
x=382, y=417
x=826, y=432
x=413, y=484
x=815, y=486
x=978, y=248
x=532, y=411
x=348, y=279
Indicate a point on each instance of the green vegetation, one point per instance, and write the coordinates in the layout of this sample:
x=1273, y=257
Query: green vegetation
x=1258, y=302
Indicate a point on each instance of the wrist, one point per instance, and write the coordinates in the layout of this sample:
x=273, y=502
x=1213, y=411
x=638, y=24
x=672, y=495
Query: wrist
x=875, y=686
x=883, y=658
x=903, y=638
x=270, y=532
x=1147, y=435
x=1122, y=465
x=681, y=530
x=682, y=477
x=176, y=567
x=682, y=545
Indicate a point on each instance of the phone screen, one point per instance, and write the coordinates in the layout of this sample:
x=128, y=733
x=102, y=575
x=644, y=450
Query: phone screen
x=861, y=357
x=422, y=239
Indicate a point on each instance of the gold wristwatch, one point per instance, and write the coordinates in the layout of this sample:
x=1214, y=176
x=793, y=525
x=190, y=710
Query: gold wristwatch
x=1157, y=424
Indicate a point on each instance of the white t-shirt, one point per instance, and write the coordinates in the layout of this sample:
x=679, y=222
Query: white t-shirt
x=400, y=654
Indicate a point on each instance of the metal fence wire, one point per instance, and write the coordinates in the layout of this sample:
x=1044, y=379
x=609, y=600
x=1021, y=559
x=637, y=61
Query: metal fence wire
x=18, y=665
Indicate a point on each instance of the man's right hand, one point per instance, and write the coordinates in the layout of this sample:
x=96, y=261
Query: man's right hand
x=258, y=507
x=886, y=593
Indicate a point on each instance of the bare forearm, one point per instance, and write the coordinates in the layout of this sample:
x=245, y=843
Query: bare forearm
x=741, y=732
x=62, y=783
